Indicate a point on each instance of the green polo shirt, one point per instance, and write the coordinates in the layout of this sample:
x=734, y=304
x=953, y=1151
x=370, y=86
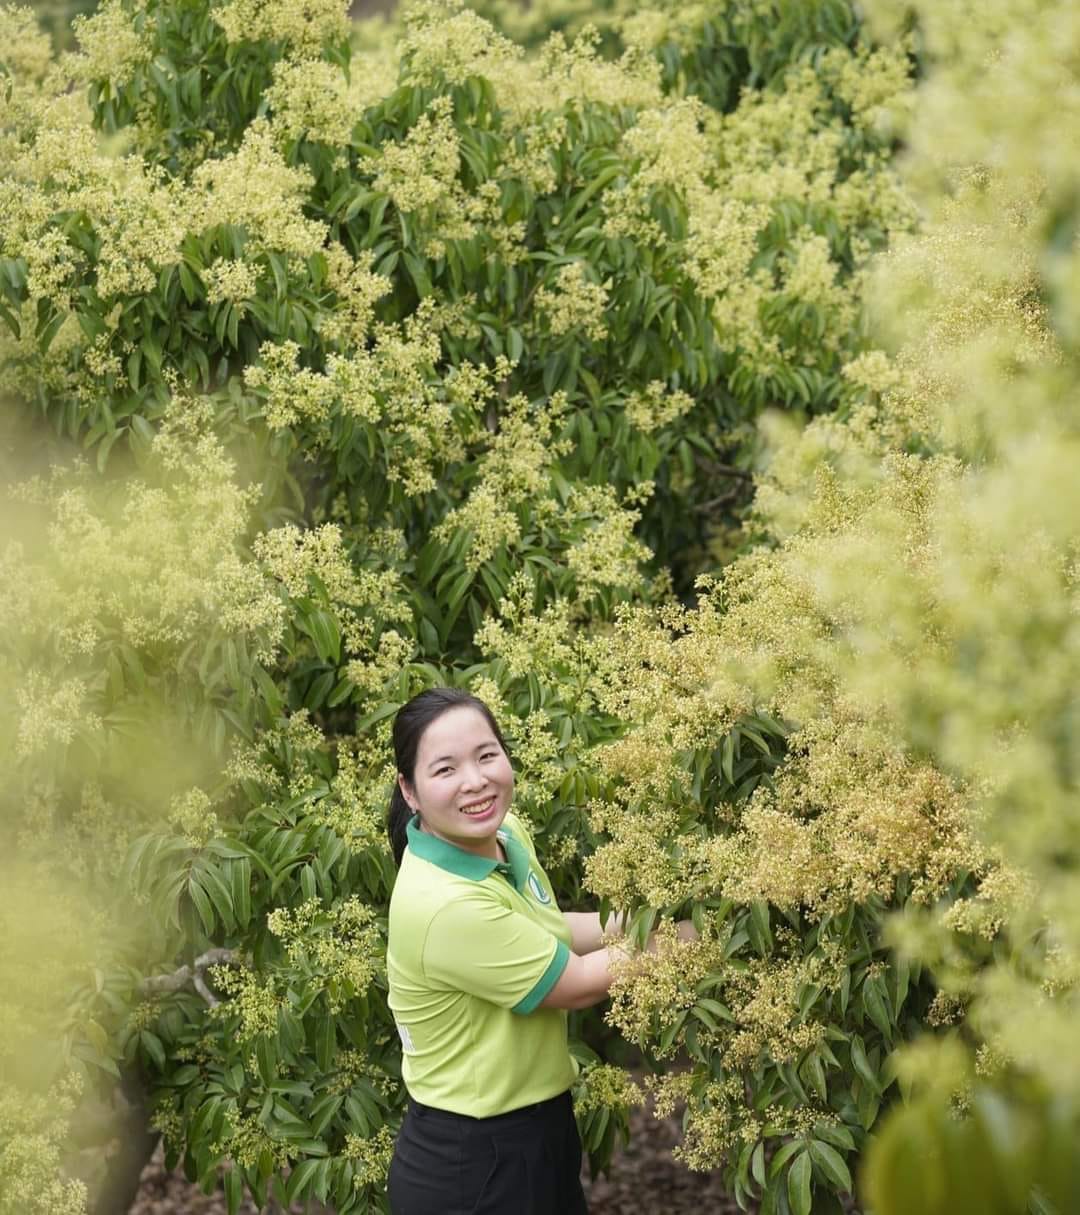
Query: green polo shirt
x=474, y=946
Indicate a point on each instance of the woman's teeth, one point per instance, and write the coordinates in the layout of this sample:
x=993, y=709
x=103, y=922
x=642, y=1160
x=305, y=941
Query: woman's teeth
x=483, y=808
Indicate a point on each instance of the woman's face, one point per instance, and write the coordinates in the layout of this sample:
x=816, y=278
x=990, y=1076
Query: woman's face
x=463, y=781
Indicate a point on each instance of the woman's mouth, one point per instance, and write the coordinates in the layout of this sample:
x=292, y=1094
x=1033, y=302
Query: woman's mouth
x=479, y=809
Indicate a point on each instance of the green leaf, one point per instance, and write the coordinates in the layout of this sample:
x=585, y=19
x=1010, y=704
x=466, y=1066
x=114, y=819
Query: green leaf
x=876, y=1003
x=798, y=1185
x=323, y=629
x=757, y=1163
x=300, y=1178
x=151, y=1043
x=322, y=1112
x=758, y=927
x=839, y=1136
x=862, y=1066
x=202, y=904
x=373, y=718
x=234, y=1189
x=783, y=1155
x=220, y=896
x=325, y=1043
x=832, y=1164
x=241, y=891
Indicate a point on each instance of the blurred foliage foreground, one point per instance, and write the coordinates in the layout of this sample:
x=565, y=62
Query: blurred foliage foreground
x=348, y=360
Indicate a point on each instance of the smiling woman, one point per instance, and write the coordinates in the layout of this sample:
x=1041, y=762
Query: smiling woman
x=482, y=966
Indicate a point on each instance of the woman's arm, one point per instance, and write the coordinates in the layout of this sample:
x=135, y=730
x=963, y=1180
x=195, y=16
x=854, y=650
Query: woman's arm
x=585, y=929
x=585, y=980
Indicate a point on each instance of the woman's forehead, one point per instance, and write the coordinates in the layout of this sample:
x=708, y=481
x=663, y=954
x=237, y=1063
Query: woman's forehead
x=459, y=729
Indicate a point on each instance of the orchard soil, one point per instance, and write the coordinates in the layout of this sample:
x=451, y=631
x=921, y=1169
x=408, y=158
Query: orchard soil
x=644, y=1180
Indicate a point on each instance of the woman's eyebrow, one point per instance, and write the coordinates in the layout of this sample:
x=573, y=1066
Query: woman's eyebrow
x=444, y=758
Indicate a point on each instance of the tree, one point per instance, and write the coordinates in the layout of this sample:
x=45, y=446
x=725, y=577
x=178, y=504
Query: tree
x=404, y=362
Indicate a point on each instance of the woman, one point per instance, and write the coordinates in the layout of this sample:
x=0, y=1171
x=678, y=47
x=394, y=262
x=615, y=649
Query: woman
x=482, y=967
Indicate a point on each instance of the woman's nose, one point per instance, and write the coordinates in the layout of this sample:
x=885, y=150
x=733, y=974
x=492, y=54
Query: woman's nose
x=472, y=777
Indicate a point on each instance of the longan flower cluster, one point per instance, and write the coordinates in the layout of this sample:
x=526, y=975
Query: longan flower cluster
x=255, y=189
x=607, y=554
x=312, y=99
x=574, y=301
x=51, y=713
x=253, y=1000
x=540, y=643
x=575, y=71
x=245, y=1140
x=342, y=945
x=512, y=472
x=1004, y=892
x=883, y=816
x=358, y=290
x=354, y=1065
x=764, y=1001
x=356, y=805
x=536, y=754
x=34, y=1132
x=113, y=43
x=525, y=87
x=392, y=653
x=420, y=174
x=650, y=990
x=293, y=556
x=167, y=1121
x=656, y=405
x=305, y=24
x=604, y=1086
x=640, y=862
x=715, y=1126
x=293, y=394
x=27, y=47
x=371, y=1156
x=468, y=45
x=230, y=279
x=192, y=814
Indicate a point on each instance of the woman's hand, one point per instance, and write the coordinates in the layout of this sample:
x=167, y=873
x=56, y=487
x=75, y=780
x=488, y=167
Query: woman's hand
x=684, y=931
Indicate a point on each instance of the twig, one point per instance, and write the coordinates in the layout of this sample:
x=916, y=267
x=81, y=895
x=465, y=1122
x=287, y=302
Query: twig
x=199, y=983
x=723, y=470
x=721, y=500
x=193, y=974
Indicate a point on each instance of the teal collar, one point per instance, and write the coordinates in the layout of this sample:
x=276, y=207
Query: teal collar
x=467, y=864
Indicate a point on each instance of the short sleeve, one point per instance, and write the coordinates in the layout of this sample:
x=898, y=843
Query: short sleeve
x=487, y=949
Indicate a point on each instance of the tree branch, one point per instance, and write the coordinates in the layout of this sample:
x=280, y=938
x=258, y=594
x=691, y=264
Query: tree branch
x=722, y=470
x=193, y=974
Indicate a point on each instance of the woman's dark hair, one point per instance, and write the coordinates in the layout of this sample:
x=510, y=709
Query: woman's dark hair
x=410, y=722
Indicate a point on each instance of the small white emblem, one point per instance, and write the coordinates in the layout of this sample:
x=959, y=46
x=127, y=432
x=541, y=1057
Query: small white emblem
x=406, y=1038
x=537, y=889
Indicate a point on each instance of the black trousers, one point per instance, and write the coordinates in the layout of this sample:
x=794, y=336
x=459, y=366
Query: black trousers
x=526, y=1162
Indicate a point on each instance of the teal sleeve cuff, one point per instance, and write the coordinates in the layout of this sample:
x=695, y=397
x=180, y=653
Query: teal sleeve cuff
x=546, y=981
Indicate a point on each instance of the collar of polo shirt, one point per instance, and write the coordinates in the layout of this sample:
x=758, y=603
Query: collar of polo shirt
x=467, y=864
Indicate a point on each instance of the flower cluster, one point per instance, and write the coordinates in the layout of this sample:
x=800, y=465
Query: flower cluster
x=341, y=945
x=304, y=24
x=604, y=1086
x=574, y=302
x=371, y=1156
x=33, y=1132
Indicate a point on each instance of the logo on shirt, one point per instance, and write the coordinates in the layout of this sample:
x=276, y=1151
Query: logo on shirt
x=406, y=1039
x=538, y=890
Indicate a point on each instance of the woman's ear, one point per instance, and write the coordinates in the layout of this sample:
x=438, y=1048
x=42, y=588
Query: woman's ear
x=407, y=793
